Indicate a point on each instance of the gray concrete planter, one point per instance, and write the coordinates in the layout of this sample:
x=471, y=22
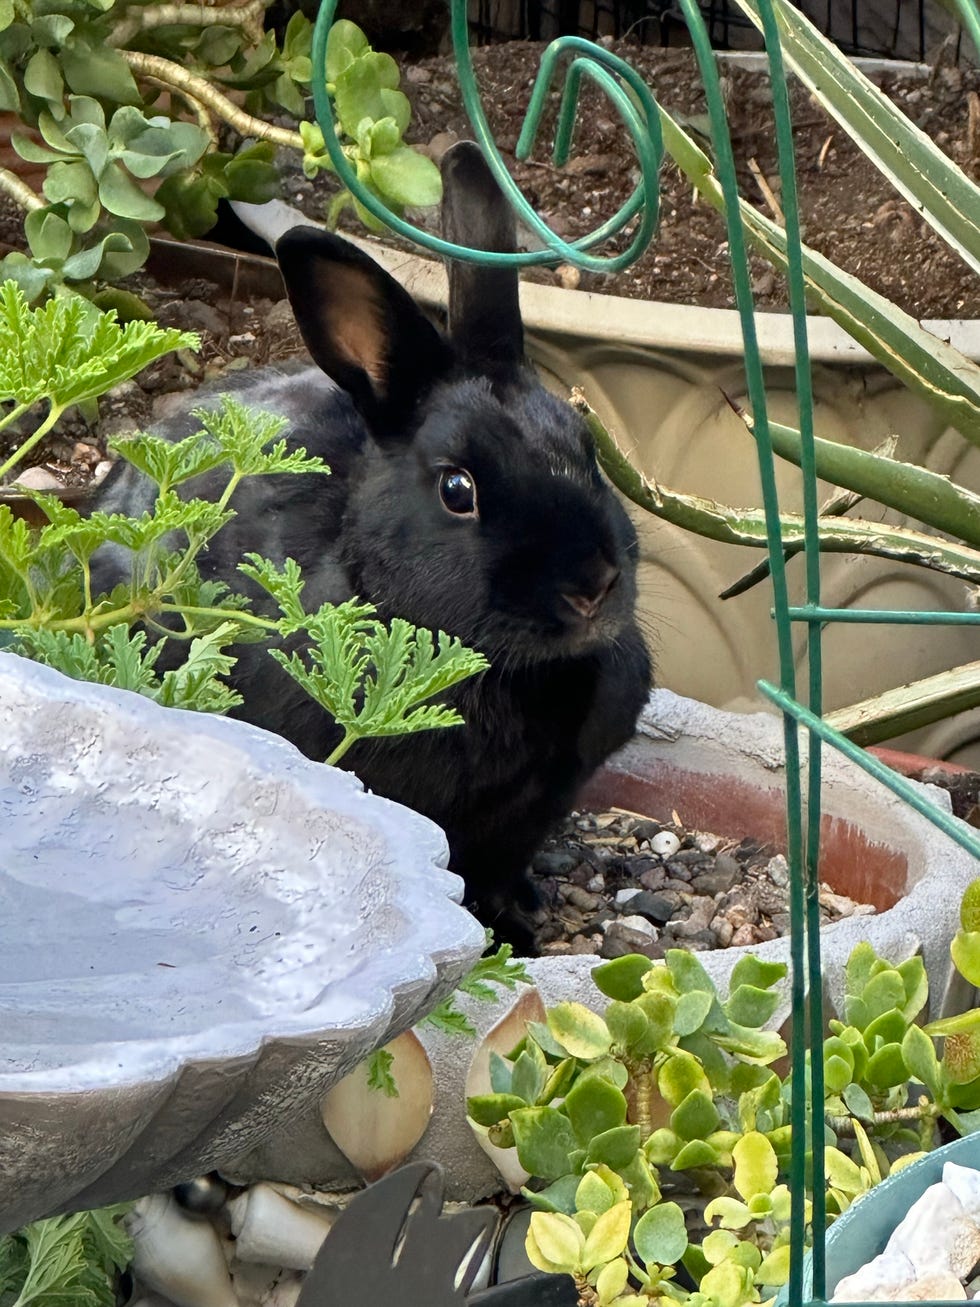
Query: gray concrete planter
x=200, y=930
x=721, y=772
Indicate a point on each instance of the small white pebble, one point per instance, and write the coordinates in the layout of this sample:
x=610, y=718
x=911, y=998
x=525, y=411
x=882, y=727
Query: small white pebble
x=640, y=925
x=243, y=338
x=596, y=885
x=777, y=869
x=102, y=470
x=623, y=896
x=38, y=478
x=665, y=843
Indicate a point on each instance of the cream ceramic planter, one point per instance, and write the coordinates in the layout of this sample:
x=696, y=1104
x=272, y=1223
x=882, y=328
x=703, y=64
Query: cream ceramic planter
x=721, y=772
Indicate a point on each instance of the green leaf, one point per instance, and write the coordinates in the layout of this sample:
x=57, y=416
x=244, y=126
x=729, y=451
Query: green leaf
x=691, y=1010
x=488, y=1109
x=886, y=1067
x=379, y=1077
x=965, y=952
x=544, y=1138
x=970, y=907
x=751, y=1006
x=751, y=970
x=593, y=1107
x=554, y=1242
x=557, y=1197
x=660, y=1235
x=694, y=1153
x=580, y=1031
x=98, y=71
x=407, y=178
x=530, y=1074
x=614, y=1148
x=730, y=1213
x=919, y=1056
x=756, y=1167
x=345, y=43
x=42, y=76
x=358, y=90
x=120, y=195
x=858, y=1103
x=593, y=1194
x=608, y=1237
x=622, y=979
x=628, y=1024
x=611, y=1281
x=695, y=1117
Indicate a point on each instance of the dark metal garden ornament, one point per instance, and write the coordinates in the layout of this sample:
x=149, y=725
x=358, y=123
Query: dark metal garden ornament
x=393, y=1245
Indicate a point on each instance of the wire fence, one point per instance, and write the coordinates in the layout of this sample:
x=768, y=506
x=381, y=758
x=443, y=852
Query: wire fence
x=889, y=29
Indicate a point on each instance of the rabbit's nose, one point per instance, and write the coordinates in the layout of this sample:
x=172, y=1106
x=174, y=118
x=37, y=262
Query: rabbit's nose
x=588, y=602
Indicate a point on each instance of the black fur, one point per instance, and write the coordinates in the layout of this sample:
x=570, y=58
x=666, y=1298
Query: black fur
x=564, y=686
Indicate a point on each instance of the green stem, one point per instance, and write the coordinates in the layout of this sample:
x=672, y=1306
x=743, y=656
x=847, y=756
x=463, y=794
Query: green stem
x=225, y=614
x=54, y=413
x=350, y=737
x=13, y=415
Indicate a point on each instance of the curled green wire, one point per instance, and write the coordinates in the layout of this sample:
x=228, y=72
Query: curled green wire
x=627, y=92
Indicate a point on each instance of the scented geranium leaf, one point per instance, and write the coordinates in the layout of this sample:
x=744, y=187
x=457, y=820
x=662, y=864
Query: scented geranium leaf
x=660, y=1235
x=579, y=1030
x=243, y=433
x=285, y=584
x=544, y=1140
x=70, y=654
x=170, y=462
x=195, y=683
x=379, y=1077
x=60, y=353
x=498, y=967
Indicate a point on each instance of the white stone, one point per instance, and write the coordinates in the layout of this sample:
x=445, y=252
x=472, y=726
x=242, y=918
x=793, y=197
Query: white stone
x=665, y=843
x=964, y=1182
x=37, y=478
x=623, y=896
x=641, y=925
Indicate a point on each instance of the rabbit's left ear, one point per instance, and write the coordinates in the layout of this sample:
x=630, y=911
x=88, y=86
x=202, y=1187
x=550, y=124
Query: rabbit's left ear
x=362, y=329
x=484, y=313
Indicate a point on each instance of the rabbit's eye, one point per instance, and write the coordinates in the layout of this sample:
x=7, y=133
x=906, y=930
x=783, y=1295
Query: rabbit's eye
x=458, y=491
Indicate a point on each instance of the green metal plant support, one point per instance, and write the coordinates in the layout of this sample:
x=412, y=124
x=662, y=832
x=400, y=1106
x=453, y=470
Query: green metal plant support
x=640, y=114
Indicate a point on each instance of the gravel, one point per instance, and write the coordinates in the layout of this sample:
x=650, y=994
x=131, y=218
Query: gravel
x=619, y=883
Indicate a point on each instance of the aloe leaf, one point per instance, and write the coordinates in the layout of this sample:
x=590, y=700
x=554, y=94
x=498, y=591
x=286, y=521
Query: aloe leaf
x=936, y=188
x=907, y=708
x=927, y=496
x=739, y=526
x=929, y=366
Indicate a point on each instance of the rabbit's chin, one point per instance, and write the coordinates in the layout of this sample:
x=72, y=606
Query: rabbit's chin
x=531, y=645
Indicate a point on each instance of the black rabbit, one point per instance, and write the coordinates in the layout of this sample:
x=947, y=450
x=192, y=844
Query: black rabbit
x=463, y=497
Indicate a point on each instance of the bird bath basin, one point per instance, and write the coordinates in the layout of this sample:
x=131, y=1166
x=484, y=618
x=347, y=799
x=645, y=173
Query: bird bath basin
x=200, y=931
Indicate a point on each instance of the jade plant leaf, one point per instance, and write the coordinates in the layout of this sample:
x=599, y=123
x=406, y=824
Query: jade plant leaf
x=756, y=1167
x=594, y=1106
x=660, y=1235
x=622, y=979
x=544, y=1140
x=579, y=1030
x=488, y=1109
x=615, y=1148
x=695, y=1117
x=608, y=1236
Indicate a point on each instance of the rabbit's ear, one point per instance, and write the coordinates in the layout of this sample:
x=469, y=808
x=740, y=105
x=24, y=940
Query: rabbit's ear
x=362, y=329
x=484, y=314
